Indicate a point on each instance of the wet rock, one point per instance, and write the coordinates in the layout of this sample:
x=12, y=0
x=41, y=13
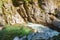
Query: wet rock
x=56, y=23
x=23, y=38
x=30, y=36
x=58, y=15
x=16, y=38
x=43, y=32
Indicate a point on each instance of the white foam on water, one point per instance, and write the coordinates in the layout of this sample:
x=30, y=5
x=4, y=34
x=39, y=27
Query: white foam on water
x=46, y=31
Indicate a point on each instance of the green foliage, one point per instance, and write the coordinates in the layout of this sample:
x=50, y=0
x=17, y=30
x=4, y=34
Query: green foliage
x=9, y=32
x=0, y=3
x=16, y=3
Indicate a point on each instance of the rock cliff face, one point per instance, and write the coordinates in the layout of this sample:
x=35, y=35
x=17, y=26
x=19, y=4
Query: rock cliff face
x=23, y=11
x=10, y=14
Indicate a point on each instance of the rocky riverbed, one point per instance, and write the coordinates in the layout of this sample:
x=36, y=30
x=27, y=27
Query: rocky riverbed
x=41, y=32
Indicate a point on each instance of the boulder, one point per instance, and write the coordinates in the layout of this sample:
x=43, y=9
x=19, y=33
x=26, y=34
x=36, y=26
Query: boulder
x=56, y=23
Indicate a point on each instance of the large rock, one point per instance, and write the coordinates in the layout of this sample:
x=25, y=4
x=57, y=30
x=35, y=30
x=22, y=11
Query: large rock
x=56, y=23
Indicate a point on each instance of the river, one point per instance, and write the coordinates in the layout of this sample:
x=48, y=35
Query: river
x=41, y=32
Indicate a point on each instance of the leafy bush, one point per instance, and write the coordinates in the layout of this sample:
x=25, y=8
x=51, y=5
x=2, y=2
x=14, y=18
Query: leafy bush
x=9, y=32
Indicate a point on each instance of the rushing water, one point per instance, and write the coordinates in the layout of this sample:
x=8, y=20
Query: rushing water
x=43, y=32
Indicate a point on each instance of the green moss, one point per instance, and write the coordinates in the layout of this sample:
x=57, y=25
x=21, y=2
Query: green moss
x=9, y=32
x=0, y=3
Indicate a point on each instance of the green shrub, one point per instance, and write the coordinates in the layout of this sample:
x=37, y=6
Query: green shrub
x=9, y=32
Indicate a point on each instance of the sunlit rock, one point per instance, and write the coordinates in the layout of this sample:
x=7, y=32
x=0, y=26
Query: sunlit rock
x=2, y=21
x=17, y=19
x=50, y=6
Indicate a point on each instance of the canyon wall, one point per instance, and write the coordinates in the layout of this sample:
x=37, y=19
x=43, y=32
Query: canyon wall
x=23, y=11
